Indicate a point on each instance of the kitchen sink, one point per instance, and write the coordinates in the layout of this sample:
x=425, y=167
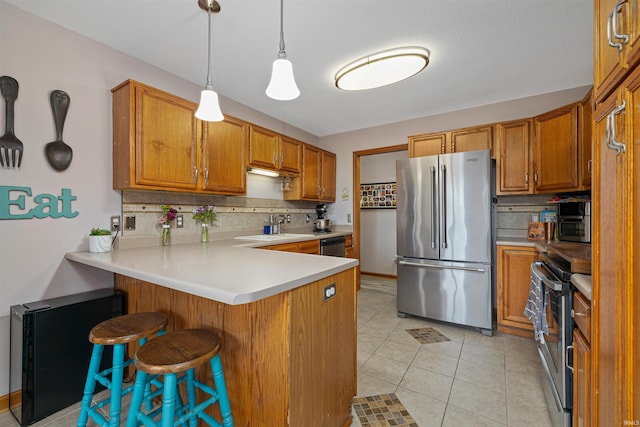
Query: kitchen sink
x=272, y=237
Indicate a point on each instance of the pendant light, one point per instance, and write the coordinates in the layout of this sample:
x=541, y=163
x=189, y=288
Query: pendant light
x=282, y=86
x=209, y=108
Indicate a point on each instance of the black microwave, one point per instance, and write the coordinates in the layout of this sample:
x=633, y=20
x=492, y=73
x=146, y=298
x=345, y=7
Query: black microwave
x=574, y=221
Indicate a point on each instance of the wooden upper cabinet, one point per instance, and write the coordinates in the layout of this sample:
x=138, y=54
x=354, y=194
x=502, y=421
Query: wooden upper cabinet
x=513, y=158
x=616, y=44
x=273, y=151
x=224, y=156
x=290, y=157
x=585, y=142
x=555, y=154
x=427, y=145
x=318, y=179
x=470, y=139
x=263, y=148
x=328, y=177
x=154, y=139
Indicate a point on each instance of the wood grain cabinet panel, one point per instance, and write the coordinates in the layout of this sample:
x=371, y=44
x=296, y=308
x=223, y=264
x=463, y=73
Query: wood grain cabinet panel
x=585, y=142
x=318, y=179
x=224, y=153
x=471, y=139
x=272, y=151
x=427, y=145
x=513, y=159
x=556, y=150
x=514, y=272
x=581, y=380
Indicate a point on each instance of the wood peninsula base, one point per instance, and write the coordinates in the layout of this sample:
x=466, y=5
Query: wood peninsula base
x=289, y=359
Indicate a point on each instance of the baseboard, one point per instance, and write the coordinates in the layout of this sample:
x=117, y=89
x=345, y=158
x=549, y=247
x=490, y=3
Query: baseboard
x=4, y=401
x=384, y=276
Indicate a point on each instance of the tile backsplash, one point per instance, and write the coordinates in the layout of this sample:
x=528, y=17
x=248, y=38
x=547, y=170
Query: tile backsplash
x=514, y=213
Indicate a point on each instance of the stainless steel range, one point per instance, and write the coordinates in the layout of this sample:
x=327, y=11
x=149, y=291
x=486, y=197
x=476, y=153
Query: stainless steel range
x=556, y=348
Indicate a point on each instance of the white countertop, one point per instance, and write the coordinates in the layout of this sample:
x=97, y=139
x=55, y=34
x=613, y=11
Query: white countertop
x=229, y=271
x=515, y=241
x=583, y=283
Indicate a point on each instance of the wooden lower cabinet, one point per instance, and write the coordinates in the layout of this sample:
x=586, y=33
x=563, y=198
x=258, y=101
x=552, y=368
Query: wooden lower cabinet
x=306, y=247
x=582, y=366
x=288, y=360
x=348, y=246
x=514, y=270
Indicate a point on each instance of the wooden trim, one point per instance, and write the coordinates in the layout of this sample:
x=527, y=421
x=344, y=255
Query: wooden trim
x=356, y=190
x=4, y=400
x=385, y=276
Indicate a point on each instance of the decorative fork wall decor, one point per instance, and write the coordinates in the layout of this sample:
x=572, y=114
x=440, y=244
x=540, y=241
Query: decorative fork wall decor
x=10, y=146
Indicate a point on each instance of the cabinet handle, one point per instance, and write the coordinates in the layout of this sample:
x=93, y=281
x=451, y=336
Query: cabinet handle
x=575, y=313
x=535, y=177
x=453, y=147
x=614, y=24
x=281, y=160
x=589, y=166
x=442, y=148
x=319, y=190
x=526, y=178
x=275, y=159
x=620, y=147
x=195, y=174
x=206, y=177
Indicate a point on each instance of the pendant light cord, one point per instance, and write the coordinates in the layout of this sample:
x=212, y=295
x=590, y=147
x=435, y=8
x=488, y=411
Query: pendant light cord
x=282, y=53
x=209, y=84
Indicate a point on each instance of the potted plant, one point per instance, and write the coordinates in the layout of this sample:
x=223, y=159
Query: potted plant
x=206, y=215
x=100, y=240
x=168, y=215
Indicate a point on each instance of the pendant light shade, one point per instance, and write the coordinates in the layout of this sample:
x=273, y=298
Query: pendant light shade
x=209, y=108
x=282, y=86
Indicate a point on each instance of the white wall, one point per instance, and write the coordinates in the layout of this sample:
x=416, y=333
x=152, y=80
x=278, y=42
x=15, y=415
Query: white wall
x=42, y=57
x=378, y=226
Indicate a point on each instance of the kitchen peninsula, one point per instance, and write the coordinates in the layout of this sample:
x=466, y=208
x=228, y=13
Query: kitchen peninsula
x=289, y=346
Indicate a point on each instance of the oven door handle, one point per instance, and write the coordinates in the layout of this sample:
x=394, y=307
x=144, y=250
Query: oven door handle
x=552, y=284
x=566, y=357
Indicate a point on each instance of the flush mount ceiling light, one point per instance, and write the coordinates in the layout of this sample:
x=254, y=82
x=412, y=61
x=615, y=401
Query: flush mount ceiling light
x=382, y=68
x=282, y=86
x=209, y=108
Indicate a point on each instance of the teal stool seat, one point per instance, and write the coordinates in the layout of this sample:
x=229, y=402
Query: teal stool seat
x=116, y=332
x=170, y=355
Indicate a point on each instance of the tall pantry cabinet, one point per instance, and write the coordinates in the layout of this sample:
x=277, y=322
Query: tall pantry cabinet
x=615, y=343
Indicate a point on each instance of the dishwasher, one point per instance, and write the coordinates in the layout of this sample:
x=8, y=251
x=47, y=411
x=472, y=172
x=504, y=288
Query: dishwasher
x=332, y=246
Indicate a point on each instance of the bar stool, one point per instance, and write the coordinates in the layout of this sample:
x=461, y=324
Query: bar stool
x=116, y=332
x=173, y=354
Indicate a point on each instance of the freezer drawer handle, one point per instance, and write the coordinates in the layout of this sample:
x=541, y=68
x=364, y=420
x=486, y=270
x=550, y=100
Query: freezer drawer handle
x=443, y=267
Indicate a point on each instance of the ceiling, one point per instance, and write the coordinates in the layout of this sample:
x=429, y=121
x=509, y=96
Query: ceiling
x=482, y=51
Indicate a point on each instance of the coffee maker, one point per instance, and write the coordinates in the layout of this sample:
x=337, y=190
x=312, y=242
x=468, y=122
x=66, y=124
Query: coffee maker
x=322, y=224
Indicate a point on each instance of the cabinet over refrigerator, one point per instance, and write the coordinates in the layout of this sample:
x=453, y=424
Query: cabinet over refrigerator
x=444, y=238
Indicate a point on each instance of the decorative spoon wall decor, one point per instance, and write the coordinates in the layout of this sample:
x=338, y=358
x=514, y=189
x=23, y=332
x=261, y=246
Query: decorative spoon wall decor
x=57, y=152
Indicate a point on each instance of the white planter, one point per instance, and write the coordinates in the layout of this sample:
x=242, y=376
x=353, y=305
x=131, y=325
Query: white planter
x=100, y=243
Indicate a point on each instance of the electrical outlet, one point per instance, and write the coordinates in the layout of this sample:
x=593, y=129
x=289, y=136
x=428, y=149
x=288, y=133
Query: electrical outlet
x=179, y=222
x=129, y=222
x=115, y=223
x=288, y=219
x=328, y=291
x=348, y=218
x=307, y=218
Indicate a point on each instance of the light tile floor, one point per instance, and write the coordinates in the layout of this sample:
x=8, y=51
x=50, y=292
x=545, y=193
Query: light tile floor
x=471, y=380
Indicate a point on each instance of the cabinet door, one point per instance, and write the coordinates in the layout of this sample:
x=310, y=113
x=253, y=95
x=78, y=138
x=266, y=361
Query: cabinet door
x=328, y=164
x=513, y=157
x=556, y=150
x=514, y=271
x=585, y=121
x=290, y=155
x=311, y=178
x=427, y=145
x=480, y=138
x=166, y=152
x=263, y=148
x=581, y=381
x=309, y=247
x=224, y=155
x=613, y=60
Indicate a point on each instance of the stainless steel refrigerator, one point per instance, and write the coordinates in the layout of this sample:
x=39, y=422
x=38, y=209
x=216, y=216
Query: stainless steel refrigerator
x=444, y=238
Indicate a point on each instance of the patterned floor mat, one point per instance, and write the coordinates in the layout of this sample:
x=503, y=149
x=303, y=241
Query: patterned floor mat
x=427, y=335
x=383, y=410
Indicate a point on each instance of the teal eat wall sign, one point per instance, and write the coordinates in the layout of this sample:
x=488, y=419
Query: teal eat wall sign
x=40, y=206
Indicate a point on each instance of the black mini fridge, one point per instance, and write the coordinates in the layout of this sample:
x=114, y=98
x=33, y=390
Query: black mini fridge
x=50, y=350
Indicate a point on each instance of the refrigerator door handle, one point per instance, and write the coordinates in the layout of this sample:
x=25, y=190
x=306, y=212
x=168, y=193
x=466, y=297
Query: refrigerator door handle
x=433, y=208
x=443, y=267
x=443, y=207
